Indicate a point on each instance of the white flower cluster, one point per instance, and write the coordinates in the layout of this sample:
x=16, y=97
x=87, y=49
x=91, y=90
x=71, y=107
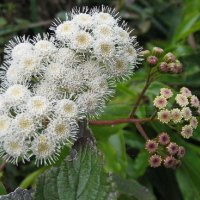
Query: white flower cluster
x=187, y=105
x=51, y=82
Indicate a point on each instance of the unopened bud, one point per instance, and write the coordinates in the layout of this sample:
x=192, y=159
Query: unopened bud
x=169, y=57
x=155, y=161
x=157, y=51
x=181, y=152
x=174, y=68
x=145, y=53
x=177, y=164
x=179, y=66
x=169, y=161
x=152, y=60
x=163, y=67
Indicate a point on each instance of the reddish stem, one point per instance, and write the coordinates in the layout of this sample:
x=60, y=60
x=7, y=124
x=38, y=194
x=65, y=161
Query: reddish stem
x=118, y=121
x=141, y=130
x=126, y=120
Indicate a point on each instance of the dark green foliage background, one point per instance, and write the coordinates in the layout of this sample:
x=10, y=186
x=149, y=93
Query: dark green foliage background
x=173, y=25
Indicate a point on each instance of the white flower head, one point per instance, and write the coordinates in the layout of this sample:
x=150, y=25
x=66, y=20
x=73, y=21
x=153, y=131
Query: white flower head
x=47, y=89
x=62, y=130
x=83, y=20
x=29, y=65
x=104, y=31
x=104, y=49
x=44, y=149
x=101, y=85
x=65, y=56
x=90, y=70
x=3, y=104
x=81, y=40
x=65, y=30
x=38, y=105
x=91, y=103
x=51, y=82
x=120, y=69
x=54, y=71
x=72, y=82
x=22, y=49
x=17, y=93
x=5, y=123
x=14, y=148
x=24, y=124
x=66, y=108
x=122, y=35
x=104, y=18
x=130, y=53
x=13, y=75
x=44, y=48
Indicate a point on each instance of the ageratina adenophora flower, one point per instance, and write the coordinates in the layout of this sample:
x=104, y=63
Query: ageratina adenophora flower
x=183, y=113
x=50, y=82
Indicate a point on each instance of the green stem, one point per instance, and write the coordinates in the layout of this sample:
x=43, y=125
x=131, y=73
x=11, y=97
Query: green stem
x=147, y=84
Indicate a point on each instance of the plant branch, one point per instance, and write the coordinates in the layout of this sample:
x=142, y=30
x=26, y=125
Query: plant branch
x=141, y=130
x=147, y=84
x=118, y=121
x=126, y=120
x=3, y=165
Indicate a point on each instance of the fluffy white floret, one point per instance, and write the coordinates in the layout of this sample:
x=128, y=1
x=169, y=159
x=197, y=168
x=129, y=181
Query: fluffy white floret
x=81, y=40
x=83, y=20
x=38, y=105
x=5, y=123
x=17, y=93
x=21, y=49
x=44, y=48
x=44, y=149
x=66, y=108
x=65, y=30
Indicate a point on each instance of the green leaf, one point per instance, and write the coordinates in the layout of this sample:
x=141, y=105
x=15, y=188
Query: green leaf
x=80, y=179
x=2, y=189
x=188, y=175
x=140, y=164
x=3, y=21
x=133, y=188
x=29, y=180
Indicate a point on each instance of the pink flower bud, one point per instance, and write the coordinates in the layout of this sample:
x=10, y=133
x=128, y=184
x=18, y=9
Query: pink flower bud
x=177, y=164
x=152, y=60
x=157, y=51
x=151, y=146
x=172, y=148
x=163, y=139
x=155, y=161
x=181, y=152
x=169, y=57
x=163, y=67
x=169, y=161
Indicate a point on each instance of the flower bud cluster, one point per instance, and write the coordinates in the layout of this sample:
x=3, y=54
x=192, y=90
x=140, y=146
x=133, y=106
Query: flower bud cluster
x=181, y=113
x=165, y=63
x=164, y=152
x=50, y=82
